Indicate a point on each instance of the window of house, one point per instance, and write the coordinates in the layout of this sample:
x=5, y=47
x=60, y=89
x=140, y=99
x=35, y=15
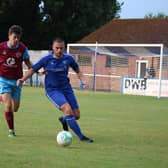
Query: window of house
x=165, y=62
x=112, y=61
x=83, y=59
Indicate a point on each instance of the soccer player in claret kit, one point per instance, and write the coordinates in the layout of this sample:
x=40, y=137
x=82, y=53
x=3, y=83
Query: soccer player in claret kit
x=57, y=86
x=12, y=55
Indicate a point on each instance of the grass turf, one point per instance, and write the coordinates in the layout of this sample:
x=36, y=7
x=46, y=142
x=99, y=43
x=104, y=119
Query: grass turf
x=129, y=132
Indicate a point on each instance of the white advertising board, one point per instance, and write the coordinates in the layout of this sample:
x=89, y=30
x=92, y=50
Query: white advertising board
x=147, y=87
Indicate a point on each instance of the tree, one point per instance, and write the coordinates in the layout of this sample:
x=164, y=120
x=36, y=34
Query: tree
x=73, y=19
x=22, y=12
x=44, y=19
x=159, y=15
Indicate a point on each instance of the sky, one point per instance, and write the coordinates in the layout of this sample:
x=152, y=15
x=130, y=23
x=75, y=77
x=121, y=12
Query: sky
x=139, y=8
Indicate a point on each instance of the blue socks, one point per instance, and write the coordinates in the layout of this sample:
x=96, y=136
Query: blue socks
x=73, y=125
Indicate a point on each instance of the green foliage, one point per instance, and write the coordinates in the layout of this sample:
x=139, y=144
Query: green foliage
x=22, y=12
x=159, y=15
x=75, y=19
x=129, y=132
x=71, y=19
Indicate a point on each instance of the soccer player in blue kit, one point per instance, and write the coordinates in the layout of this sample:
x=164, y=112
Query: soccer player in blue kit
x=57, y=86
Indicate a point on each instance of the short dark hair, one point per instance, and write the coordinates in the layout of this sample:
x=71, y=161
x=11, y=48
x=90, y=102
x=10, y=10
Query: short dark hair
x=16, y=29
x=58, y=39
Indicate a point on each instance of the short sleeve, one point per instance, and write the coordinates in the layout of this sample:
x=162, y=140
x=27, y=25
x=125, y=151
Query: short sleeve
x=26, y=55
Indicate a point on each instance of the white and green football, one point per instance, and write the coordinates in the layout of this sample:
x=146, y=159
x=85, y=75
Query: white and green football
x=64, y=138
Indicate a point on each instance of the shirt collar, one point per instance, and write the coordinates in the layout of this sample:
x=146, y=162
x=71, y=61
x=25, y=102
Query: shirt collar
x=52, y=53
x=9, y=46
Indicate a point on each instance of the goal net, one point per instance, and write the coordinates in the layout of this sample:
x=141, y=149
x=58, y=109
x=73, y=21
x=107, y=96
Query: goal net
x=140, y=69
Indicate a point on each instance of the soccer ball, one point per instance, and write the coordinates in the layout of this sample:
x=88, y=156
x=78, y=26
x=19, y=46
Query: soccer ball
x=64, y=138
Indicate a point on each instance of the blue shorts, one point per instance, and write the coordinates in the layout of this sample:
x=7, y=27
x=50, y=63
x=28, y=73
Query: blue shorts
x=58, y=98
x=9, y=86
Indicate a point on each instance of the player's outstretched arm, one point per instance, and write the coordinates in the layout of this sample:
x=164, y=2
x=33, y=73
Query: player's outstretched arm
x=28, y=63
x=29, y=73
x=82, y=80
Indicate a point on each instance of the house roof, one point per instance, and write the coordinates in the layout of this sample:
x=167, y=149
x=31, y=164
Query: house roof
x=149, y=31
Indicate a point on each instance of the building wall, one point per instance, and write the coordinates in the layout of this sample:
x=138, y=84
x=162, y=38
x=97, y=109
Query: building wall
x=110, y=78
x=107, y=78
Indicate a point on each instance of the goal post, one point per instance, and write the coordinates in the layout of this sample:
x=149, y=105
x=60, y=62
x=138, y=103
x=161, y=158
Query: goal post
x=123, y=67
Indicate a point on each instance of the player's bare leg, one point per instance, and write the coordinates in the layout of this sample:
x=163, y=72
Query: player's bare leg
x=15, y=105
x=1, y=99
x=71, y=122
x=76, y=113
x=67, y=111
x=8, y=112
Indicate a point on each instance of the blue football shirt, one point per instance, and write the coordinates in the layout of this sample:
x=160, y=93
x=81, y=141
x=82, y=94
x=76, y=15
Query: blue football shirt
x=57, y=70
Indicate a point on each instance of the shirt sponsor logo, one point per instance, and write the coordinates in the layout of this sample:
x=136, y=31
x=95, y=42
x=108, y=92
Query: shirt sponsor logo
x=11, y=62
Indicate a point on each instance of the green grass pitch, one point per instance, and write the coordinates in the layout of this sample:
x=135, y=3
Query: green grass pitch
x=129, y=132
